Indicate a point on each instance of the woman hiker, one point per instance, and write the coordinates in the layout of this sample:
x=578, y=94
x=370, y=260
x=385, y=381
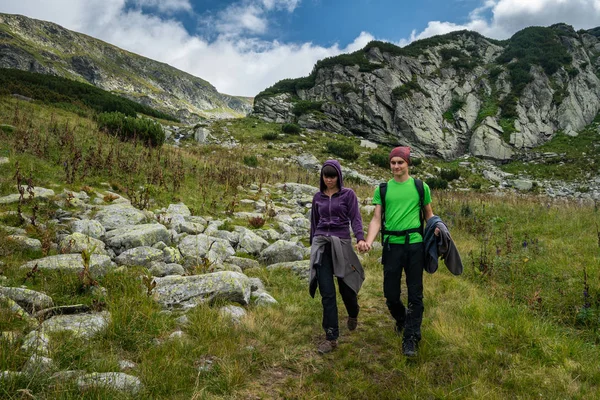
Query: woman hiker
x=334, y=210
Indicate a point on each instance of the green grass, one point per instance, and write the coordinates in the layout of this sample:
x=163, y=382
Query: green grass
x=515, y=325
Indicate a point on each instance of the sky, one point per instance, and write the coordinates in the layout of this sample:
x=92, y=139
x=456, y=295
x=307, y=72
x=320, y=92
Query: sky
x=244, y=46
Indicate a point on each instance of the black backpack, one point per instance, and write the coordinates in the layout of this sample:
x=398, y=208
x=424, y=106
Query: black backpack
x=420, y=229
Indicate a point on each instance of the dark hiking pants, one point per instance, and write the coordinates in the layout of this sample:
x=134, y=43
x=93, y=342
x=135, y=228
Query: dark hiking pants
x=410, y=258
x=328, y=296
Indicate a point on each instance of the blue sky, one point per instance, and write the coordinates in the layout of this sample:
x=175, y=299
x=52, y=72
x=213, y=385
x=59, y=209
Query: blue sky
x=244, y=46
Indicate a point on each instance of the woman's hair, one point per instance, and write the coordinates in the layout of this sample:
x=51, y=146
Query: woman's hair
x=329, y=171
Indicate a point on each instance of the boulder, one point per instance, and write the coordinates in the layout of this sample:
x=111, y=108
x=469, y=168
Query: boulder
x=79, y=325
x=25, y=243
x=243, y=263
x=141, y=256
x=235, y=313
x=189, y=291
x=77, y=242
x=300, y=268
x=111, y=380
x=129, y=237
x=118, y=215
x=282, y=251
x=180, y=209
x=36, y=342
x=30, y=300
x=100, y=265
x=251, y=243
x=89, y=227
x=261, y=298
x=163, y=269
x=194, y=249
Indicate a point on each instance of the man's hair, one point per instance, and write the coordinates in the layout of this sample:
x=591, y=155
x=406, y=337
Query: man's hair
x=329, y=171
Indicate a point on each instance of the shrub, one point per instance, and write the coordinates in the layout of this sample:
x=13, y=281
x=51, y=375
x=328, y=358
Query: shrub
x=450, y=174
x=406, y=90
x=251, y=161
x=415, y=162
x=343, y=150
x=143, y=129
x=437, y=183
x=380, y=159
x=256, y=222
x=305, y=106
x=293, y=129
x=270, y=136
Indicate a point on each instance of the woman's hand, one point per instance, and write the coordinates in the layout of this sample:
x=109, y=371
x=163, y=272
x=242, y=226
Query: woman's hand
x=363, y=246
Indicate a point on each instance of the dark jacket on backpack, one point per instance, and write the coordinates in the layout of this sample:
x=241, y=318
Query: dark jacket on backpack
x=440, y=246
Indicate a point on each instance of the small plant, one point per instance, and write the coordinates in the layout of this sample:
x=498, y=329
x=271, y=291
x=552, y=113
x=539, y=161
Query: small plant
x=437, y=183
x=251, y=161
x=256, y=222
x=380, y=159
x=450, y=174
x=343, y=150
x=150, y=283
x=85, y=275
x=293, y=129
x=270, y=136
x=110, y=197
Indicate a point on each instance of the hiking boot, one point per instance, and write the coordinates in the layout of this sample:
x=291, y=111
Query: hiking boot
x=409, y=347
x=352, y=323
x=327, y=346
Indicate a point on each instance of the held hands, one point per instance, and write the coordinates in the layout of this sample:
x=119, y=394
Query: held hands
x=363, y=246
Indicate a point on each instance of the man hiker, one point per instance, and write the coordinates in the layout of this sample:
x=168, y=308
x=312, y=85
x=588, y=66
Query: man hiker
x=404, y=207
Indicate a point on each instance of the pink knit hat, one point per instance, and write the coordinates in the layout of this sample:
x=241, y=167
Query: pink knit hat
x=402, y=152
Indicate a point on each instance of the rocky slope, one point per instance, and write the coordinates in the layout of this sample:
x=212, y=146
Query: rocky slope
x=44, y=47
x=451, y=95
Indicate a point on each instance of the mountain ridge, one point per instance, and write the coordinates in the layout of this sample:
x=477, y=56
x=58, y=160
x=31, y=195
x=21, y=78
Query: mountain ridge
x=45, y=47
x=452, y=94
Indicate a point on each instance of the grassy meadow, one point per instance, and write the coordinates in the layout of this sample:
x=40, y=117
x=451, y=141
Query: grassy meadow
x=523, y=321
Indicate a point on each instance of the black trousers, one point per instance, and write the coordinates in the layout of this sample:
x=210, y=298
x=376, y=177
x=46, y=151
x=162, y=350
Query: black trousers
x=396, y=258
x=328, y=296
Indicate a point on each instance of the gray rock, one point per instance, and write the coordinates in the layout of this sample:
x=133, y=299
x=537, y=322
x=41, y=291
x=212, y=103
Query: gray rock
x=141, y=256
x=195, y=248
x=232, y=237
x=257, y=284
x=270, y=235
x=522, y=184
x=243, y=263
x=78, y=242
x=25, y=243
x=4, y=160
x=15, y=309
x=129, y=237
x=99, y=264
x=111, y=380
x=171, y=255
x=125, y=365
x=308, y=161
x=36, y=342
x=282, y=251
x=235, y=313
x=300, y=268
x=261, y=298
x=30, y=300
x=180, y=209
x=189, y=291
x=118, y=215
x=251, y=243
x=79, y=325
x=89, y=227
x=39, y=365
x=163, y=269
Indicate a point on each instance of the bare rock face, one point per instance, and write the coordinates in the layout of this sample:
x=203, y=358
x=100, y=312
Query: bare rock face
x=437, y=99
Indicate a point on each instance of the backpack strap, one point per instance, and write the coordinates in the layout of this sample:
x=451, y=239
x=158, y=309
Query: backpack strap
x=421, y=191
x=382, y=192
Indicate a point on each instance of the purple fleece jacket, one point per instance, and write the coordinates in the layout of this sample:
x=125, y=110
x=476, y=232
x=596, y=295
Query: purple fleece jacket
x=332, y=216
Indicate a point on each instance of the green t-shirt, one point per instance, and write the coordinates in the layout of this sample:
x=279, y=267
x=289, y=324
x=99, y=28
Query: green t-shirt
x=402, y=208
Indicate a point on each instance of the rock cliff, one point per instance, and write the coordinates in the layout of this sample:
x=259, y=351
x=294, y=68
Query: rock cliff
x=450, y=95
x=44, y=47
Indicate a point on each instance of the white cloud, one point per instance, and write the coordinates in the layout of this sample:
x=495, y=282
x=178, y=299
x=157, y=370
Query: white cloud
x=510, y=16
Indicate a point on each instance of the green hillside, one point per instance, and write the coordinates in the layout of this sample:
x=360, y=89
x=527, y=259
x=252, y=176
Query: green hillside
x=523, y=321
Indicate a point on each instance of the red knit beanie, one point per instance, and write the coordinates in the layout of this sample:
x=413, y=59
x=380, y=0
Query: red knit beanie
x=402, y=152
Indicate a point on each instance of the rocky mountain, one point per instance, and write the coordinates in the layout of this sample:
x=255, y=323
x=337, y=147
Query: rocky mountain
x=45, y=47
x=451, y=95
